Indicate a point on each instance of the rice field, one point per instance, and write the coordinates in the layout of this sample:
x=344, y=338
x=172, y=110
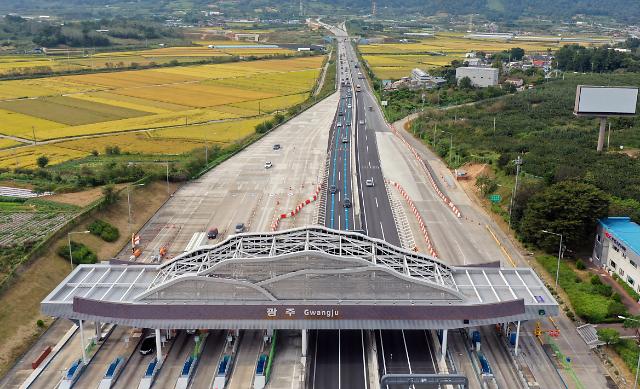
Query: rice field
x=61, y=61
x=6, y=143
x=26, y=156
x=173, y=140
x=58, y=107
x=396, y=60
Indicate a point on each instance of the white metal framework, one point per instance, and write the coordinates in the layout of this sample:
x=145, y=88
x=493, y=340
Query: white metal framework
x=317, y=239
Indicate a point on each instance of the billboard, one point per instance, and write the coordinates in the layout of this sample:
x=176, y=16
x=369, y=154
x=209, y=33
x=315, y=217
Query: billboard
x=605, y=100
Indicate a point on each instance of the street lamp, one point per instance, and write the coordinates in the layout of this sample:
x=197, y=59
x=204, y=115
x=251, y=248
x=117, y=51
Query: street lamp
x=129, y=204
x=69, y=240
x=559, y=253
x=450, y=144
x=518, y=163
x=635, y=382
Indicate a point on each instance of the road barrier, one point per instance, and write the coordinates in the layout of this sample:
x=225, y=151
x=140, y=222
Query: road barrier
x=41, y=358
x=298, y=208
x=424, y=167
x=423, y=226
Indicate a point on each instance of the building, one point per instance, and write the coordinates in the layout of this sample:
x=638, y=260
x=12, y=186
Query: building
x=419, y=75
x=617, y=248
x=474, y=62
x=517, y=82
x=480, y=77
x=422, y=79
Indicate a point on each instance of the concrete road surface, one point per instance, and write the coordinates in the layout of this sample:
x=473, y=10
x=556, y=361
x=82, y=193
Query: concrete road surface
x=246, y=357
x=208, y=365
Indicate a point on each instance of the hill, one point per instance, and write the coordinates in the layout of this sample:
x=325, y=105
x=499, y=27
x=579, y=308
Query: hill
x=503, y=10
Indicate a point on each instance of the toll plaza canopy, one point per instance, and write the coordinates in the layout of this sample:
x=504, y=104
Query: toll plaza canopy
x=312, y=277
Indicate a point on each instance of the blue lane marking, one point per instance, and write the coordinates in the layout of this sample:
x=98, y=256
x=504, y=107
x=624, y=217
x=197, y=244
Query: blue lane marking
x=345, y=156
x=333, y=173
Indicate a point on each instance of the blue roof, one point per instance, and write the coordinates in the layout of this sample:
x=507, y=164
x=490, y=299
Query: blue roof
x=624, y=230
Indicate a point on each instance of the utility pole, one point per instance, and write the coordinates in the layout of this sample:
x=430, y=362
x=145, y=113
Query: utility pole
x=33, y=130
x=518, y=163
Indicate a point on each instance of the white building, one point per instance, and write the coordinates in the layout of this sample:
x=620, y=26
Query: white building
x=480, y=77
x=617, y=249
x=419, y=75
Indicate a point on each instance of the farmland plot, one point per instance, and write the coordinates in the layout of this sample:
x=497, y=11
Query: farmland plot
x=151, y=99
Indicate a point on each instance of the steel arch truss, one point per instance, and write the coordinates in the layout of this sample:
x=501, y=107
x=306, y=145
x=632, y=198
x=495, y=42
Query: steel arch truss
x=320, y=240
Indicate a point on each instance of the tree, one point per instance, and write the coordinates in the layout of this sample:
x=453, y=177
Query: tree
x=569, y=208
x=516, y=53
x=629, y=323
x=486, y=184
x=465, y=83
x=42, y=161
x=109, y=193
x=608, y=335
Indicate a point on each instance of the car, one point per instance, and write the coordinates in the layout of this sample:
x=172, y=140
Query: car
x=239, y=228
x=345, y=139
x=148, y=345
x=370, y=108
x=347, y=203
x=212, y=233
x=340, y=113
x=333, y=189
x=361, y=122
x=191, y=331
x=348, y=105
x=339, y=125
x=267, y=165
x=276, y=146
x=369, y=182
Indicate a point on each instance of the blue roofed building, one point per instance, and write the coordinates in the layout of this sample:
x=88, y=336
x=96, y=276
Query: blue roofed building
x=617, y=248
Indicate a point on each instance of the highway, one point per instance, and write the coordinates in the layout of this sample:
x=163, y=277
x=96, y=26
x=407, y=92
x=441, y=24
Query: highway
x=207, y=366
x=246, y=358
x=240, y=190
x=339, y=360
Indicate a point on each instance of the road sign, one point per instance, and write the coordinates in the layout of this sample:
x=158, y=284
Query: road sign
x=495, y=198
x=384, y=103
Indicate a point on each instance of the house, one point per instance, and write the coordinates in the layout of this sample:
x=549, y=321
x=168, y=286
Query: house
x=517, y=82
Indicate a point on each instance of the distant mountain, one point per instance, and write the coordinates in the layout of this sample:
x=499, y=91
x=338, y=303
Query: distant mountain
x=504, y=10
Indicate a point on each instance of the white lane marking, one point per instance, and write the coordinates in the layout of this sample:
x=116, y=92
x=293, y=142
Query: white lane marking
x=367, y=149
x=364, y=361
x=384, y=360
x=406, y=350
x=339, y=197
x=369, y=164
x=338, y=175
x=339, y=213
x=315, y=362
x=377, y=202
x=382, y=230
x=293, y=375
x=339, y=366
x=431, y=353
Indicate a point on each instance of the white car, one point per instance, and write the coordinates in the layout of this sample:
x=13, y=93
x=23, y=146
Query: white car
x=369, y=182
x=267, y=165
x=361, y=122
x=348, y=105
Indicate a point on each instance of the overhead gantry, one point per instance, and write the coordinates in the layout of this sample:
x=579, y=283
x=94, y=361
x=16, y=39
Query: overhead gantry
x=303, y=278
